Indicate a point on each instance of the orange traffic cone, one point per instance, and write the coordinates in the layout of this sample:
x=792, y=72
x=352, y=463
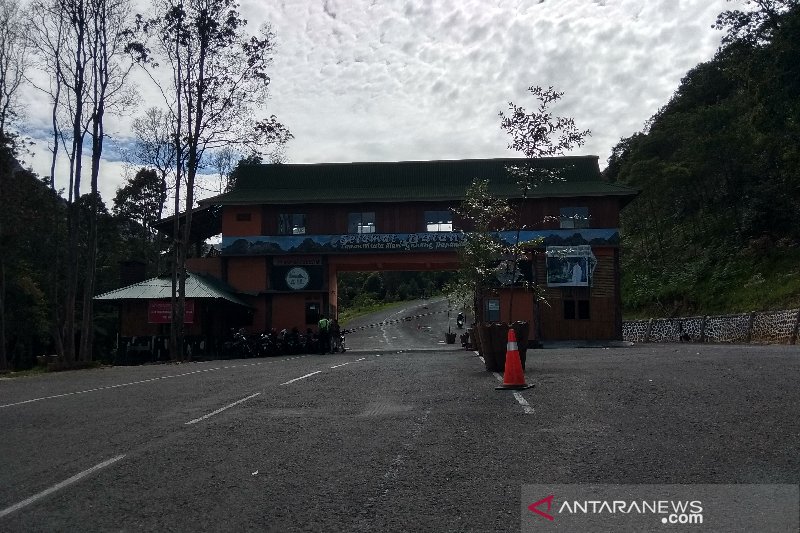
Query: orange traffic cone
x=513, y=377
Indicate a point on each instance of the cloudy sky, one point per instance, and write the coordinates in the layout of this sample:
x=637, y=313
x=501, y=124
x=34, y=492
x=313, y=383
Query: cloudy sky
x=385, y=80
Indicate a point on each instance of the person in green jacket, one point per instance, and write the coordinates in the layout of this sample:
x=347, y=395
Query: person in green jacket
x=324, y=335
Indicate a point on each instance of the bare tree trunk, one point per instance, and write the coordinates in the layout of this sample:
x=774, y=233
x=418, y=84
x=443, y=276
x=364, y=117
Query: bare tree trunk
x=71, y=289
x=3, y=356
x=77, y=14
x=174, y=346
x=55, y=325
x=100, y=81
x=176, y=329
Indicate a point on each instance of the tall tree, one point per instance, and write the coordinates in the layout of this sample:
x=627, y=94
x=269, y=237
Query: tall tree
x=154, y=147
x=536, y=134
x=218, y=82
x=140, y=199
x=14, y=60
x=109, y=65
x=80, y=45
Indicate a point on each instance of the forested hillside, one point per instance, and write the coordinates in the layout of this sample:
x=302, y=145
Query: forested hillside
x=33, y=230
x=716, y=227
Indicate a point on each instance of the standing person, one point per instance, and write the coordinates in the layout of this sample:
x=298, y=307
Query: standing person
x=324, y=335
x=335, y=335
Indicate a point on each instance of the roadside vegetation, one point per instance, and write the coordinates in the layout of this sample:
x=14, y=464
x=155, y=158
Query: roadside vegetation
x=716, y=228
x=361, y=293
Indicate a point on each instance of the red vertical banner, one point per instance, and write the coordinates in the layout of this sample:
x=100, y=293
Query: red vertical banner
x=160, y=312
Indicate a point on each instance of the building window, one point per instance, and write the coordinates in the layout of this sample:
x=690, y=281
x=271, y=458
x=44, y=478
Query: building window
x=438, y=221
x=576, y=310
x=291, y=224
x=361, y=223
x=574, y=217
x=243, y=217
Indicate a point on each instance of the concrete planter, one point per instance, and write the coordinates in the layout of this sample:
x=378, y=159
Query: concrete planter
x=493, y=343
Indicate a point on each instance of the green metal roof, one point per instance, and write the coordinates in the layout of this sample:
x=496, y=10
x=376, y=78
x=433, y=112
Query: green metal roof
x=414, y=181
x=197, y=286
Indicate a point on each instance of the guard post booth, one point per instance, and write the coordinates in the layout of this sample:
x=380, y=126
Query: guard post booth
x=288, y=230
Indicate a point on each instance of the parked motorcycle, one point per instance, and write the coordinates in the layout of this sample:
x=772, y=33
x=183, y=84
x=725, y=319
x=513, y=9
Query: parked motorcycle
x=338, y=344
x=239, y=345
x=267, y=345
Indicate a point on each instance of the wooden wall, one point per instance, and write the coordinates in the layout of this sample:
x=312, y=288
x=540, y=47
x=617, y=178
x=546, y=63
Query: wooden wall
x=603, y=296
x=404, y=217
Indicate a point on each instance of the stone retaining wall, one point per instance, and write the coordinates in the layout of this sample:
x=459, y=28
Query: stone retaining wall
x=770, y=327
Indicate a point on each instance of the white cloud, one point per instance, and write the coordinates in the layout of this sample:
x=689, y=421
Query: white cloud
x=403, y=80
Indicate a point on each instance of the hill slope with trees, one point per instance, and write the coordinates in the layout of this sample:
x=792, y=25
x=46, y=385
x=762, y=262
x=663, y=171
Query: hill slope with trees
x=716, y=227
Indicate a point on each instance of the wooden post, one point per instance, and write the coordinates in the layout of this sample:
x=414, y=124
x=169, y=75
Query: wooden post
x=750, y=319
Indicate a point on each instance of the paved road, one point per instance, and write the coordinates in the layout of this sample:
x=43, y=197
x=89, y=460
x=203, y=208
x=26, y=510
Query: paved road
x=417, y=325
x=383, y=440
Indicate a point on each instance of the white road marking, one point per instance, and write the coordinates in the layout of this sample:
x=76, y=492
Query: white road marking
x=109, y=387
x=343, y=364
x=301, y=377
x=524, y=403
x=357, y=360
x=237, y=402
x=58, y=486
x=526, y=407
x=129, y=384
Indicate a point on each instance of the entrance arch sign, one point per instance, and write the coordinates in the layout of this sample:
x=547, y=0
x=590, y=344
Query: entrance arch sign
x=390, y=216
x=403, y=242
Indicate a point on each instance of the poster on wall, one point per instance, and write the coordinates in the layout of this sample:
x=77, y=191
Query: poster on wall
x=570, y=266
x=160, y=312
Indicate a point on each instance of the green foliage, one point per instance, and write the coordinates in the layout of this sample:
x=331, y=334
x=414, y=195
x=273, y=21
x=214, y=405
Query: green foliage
x=361, y=292
x=484, y=215
x=540, y=133
x=141, y=199
x=719, y=171
x=33, y=222
x=30, y=214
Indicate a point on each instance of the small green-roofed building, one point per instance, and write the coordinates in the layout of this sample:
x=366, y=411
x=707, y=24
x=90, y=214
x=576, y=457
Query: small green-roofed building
x=212, y=309
x=198, y=286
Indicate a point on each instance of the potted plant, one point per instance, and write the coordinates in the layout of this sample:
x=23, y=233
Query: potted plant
x=484, y=216
x=488, y=263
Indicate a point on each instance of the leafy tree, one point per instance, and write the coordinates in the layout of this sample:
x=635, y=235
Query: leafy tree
x=234, y=174
x=218, y=80
x=141, y=199
x=80, y=46
x=137, y=208
x=154, y=147
x=25, y=261
x=537, y=134
x=540, y=133
x=483, y=215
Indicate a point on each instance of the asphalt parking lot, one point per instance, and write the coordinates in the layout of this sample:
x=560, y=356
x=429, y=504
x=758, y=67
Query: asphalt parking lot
x=384, y=439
